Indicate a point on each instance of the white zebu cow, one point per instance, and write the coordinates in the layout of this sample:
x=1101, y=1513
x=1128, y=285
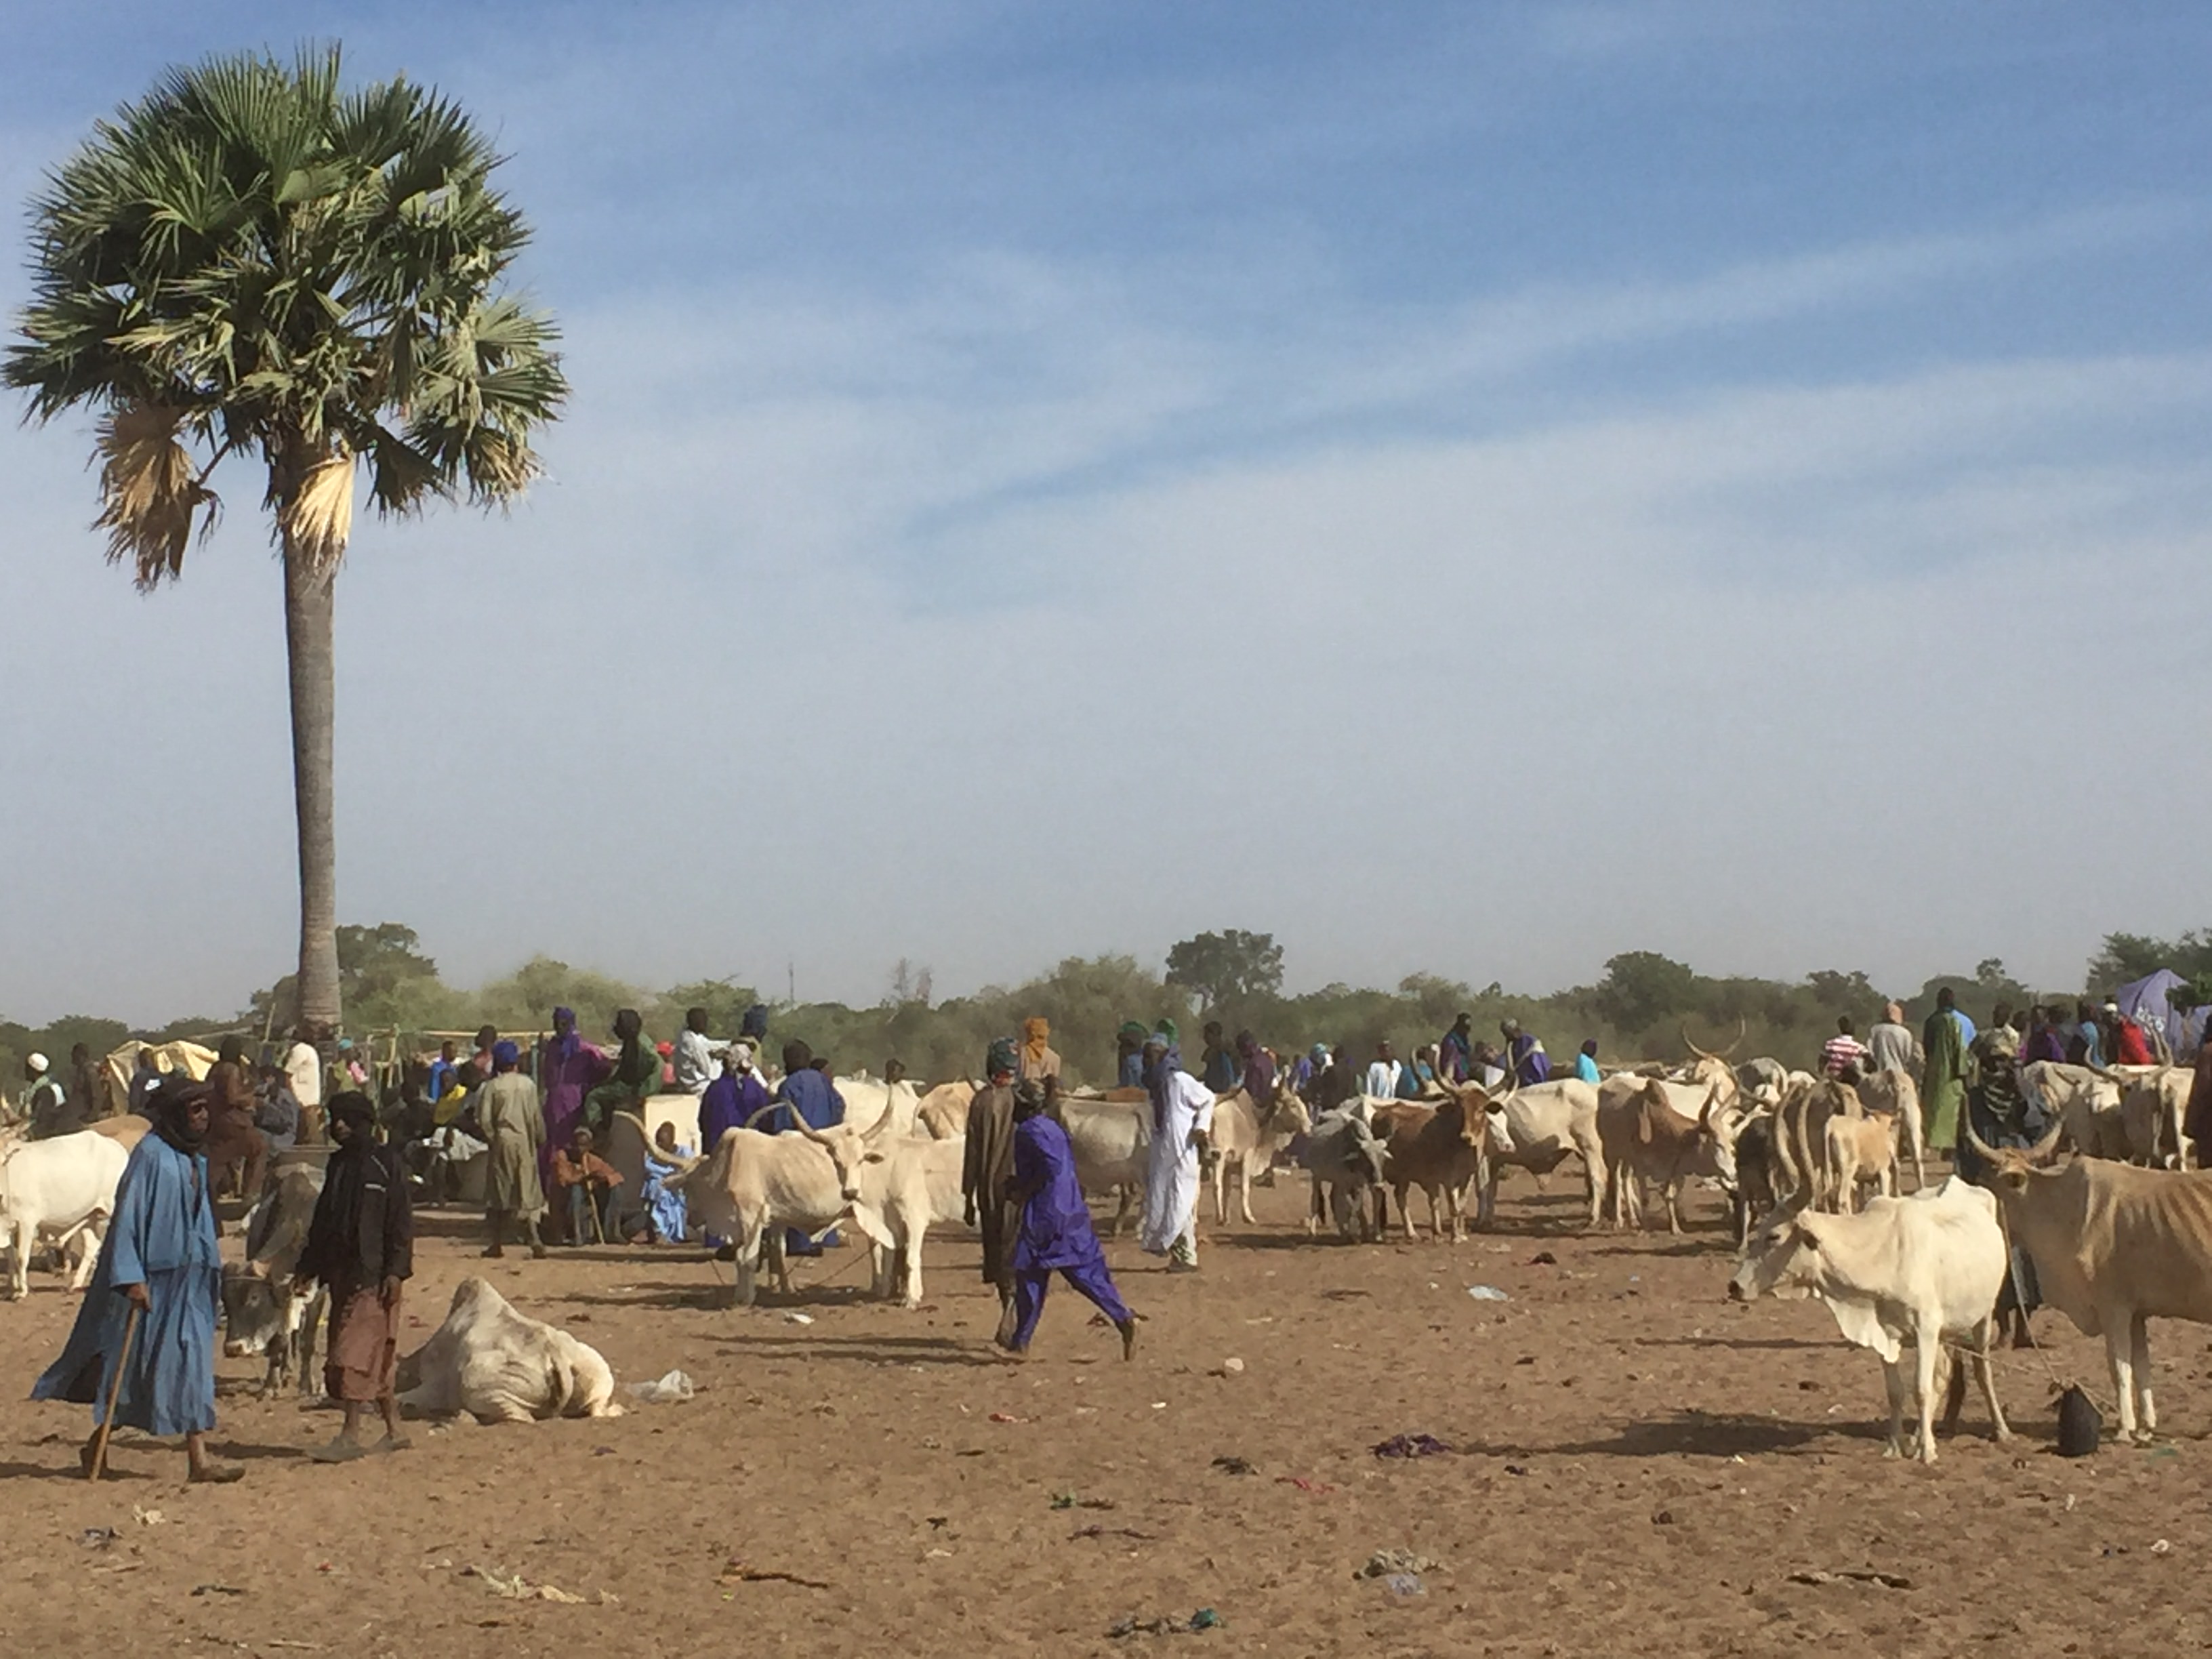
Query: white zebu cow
x=1243, y=1136
x=1923, y=1270
x=58, y=1189
x=1113, y=1143
x=500, y=1366
x=1545, y=1124
x=750, y=1184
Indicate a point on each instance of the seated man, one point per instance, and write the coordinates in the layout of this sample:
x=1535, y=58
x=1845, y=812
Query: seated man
x=591, y=1183
x=663, y=1210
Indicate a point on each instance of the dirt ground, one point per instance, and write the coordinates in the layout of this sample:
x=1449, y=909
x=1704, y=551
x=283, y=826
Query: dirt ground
x=1636, y=1467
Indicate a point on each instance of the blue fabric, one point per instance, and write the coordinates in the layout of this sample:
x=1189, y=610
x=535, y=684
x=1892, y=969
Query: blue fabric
x=1094, y=1282
x=1055, y=1229
x=1132, y=1070
x=1456, y=1055
x=811, y=1096
x=1217, y=1071
x=442, y=1072
x=2092, y=1040
x=1966, y=1033
x=664, y=1208
x=162, y=1237
x=1586, y=1069
x=1409, y=1081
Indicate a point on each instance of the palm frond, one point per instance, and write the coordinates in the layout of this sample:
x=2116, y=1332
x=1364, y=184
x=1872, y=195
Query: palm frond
x=149, y=492
x=317, y=521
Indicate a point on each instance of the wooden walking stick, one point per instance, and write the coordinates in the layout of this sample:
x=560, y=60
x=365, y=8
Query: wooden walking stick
x=114, y=1392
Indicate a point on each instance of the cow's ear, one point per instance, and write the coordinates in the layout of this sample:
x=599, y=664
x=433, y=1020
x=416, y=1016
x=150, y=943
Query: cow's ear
x=1807, y=1239
x=872, y=1157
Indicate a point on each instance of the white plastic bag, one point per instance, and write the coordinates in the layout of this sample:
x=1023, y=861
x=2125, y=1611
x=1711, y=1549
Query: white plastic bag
x=662, y=1391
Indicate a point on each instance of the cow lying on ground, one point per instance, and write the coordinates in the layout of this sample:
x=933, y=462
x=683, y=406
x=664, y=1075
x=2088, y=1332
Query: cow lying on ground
x=58, y=1190
x=1923, y=1270
x=500, y=1366
x=2114, y=1247
x=261, y=1313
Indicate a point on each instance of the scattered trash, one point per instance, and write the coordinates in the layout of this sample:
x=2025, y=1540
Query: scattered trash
x=1487, y=1293
x=1159, y=1405
x=1235, y=1465
x=2069, y=1505
x=98, y=1537
x=735, y=1571
x=797, y=1319
x=1094, y=1530
x=146, y=1518
x=1405, y=1585
x=1852, y=1575
x=1411, y=1445
x=1304, y=1483
x=515, y=1587
x=1383, y=1563
x=1166, y=1624
x=2161, y=1547
x=1234, y=1367
x=2079, y=1426
x=1543, y=1259
x=936, y=1555
x=1006, y=1417
x=216, y=1589
x=1068, y=1500
x=670, y=1389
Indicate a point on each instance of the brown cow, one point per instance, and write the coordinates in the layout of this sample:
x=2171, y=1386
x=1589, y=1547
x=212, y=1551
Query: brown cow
x=1648, y=1139
x=1439, y=1149
x=2114, y=1246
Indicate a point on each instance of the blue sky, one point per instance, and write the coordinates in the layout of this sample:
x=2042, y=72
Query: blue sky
x=1465, y=488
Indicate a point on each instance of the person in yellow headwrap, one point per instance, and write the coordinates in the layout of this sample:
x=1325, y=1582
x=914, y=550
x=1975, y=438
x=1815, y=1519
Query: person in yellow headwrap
x=1038, y=1062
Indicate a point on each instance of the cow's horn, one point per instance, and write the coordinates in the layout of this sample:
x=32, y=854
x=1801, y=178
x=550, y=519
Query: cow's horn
x=2044, y=1148
x=755, y=1118
x=1982, y=1147
x=1692, y=1047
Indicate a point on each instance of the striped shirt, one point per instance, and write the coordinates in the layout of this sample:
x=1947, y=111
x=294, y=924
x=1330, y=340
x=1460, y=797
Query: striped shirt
x=1840, y=1053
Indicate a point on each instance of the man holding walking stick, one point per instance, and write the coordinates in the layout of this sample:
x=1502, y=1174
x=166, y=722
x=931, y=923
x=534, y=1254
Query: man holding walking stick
x=142, y=1352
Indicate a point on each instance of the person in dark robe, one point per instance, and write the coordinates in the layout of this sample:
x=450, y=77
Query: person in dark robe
x=1217, y=1063
x=88, y=1094
x=361, y=1246
x=987, y=1164
x=2003, y=1114
x=1129, y=1054
x=234, y=1143
x=1942, y=1072
x=636, y=1074
x=145, y=1080
x=1524, y=1055
x=1054, y=1234
x=160, y=1258
x=53, y=1111
x=1334, y=1082
x=1258, y=1076
x=2046, y=1043
x=1455, y=1050
x=2196, y=1119
x=806, y=1095
x=732, y=1099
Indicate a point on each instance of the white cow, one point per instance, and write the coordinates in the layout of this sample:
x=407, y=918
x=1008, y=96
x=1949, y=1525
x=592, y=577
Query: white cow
x=1923, y=1270
x=1113, y=1143
x=58, y=1189
x=2084, y=1101
x=751, y=1184
x=500, y=1366
x=1243, y=1137
x=1545, y=1123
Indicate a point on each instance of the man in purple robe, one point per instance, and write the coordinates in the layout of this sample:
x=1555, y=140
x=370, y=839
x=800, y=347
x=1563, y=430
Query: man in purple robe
x=570, y=1069
x=1057, y=1236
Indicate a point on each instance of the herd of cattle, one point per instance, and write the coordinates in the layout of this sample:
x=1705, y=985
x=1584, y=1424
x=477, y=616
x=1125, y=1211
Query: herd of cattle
x=2119, y=1234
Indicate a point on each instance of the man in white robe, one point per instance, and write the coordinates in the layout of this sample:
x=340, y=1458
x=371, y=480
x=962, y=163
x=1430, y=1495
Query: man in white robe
x=1182, y=1118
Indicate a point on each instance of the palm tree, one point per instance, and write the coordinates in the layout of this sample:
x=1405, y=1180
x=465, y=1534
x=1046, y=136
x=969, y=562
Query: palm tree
x=252, y=261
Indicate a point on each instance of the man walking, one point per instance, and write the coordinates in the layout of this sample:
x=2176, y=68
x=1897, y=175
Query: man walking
x=1891, y=1042
x=515, y=1128
x=145, y=1336
x=986, y=1167
x=1182, y=1118
x=1054, y=1234
x=361, y=1246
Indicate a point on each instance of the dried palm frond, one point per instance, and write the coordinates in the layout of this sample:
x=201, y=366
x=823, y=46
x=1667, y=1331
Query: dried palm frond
x=149, y=492
x=319, y=523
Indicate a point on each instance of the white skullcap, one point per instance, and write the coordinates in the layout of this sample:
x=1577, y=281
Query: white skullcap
x=39, y=1062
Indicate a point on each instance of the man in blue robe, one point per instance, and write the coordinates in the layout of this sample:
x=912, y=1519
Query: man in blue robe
x=1057, y=1236
x=160, y=1258
x=807, y=1096
x=1524, y=1055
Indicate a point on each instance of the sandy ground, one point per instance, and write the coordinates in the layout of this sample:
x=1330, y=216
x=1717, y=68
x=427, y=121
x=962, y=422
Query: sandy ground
x=1637, y=1467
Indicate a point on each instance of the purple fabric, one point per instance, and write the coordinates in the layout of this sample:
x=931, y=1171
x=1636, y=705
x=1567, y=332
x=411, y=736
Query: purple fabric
x=1055, y=1229
x=567, y=1078
x=1456, y=1055
x=1093, y=1281
x=2044, y=1043
x=1531, y=1064
x=1260, y=1079
x=728, y=1103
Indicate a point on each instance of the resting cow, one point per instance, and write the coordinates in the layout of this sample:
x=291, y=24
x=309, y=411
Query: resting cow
x=2114, y=1247
x=500, y=1366
x=1923, y=1270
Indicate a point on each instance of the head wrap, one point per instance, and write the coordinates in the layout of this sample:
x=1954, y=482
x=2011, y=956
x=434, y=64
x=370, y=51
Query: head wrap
x=353, y=1109
x=797, y=1057
x=1034, y=1032
x=231, y=1049
x=37, y=1062
x=566, y=1042
x=1169, y=1033
x=1159, y=1074
x=504, y=1056
x=171, y=1106
x=1000, y=1060
x=1320, y=1054
x=1132, y=1032
x=737, y=1059
x=1029, y=1099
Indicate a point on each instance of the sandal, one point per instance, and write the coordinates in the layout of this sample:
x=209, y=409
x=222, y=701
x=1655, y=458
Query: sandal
x=340, y=1450
x=215, y=1474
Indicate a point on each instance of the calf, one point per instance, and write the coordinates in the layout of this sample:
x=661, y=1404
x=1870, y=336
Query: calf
x=1861, y=1147
x=1895, y=1095
x=261, y=1313
x=1756, y=1180
x=1923, y=1270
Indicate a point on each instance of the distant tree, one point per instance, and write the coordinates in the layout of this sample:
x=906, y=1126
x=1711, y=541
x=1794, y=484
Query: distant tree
x=2126, y=957
x=1842, y=993
x=1991, y=972
x=1642, y=987
x=725, y=1001
x=253, y=261
x=1227, y=967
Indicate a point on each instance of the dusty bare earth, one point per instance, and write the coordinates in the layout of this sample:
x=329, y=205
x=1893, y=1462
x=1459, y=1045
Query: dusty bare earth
x=1637, y=1467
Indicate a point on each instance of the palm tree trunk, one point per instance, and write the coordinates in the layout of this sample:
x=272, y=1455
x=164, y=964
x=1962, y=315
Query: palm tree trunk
x=310, y=654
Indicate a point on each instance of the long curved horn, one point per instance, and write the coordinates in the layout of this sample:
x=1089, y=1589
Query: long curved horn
x=754, y=1117
x=1700, y=1053
x=1982, y=1147
x=804, y=1127
x=685, y=1165
x=2044, y=1148
x=1742, y=1025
